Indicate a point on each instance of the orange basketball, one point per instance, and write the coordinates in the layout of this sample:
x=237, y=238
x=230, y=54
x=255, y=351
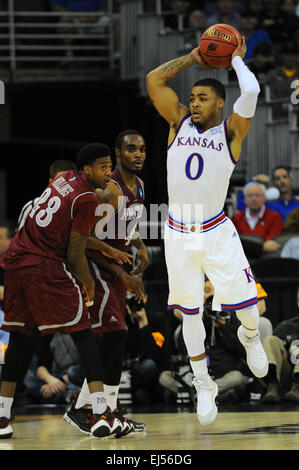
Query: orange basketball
x=217, y=44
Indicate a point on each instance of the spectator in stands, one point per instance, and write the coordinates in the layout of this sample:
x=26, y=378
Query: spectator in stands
x=279, y=24
x=198, y=21
x=212, y=8
x=257, y=219
x=226, y=14
x=86, y=24
x=281, y=78
x=181, y=8
x=149, y=355
x=6, y=234
x=282, y=350
x=253, y=36
x=288, y=201
x=289, y=6
x=54, y=365
x=291, y=249
x=261, y=63
x=81, y=7
x=265, y=325
x=291, y=226
x=262, y=179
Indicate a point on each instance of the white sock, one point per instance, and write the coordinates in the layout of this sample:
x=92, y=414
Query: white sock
x=98, y=402
x=84, y=396
x=5, y=406
x=111, y=394
x=200, y=368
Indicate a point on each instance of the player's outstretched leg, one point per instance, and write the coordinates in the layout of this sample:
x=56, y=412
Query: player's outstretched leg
x=249, y=336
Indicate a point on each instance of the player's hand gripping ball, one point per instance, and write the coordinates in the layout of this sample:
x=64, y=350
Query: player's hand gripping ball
x=217, y=45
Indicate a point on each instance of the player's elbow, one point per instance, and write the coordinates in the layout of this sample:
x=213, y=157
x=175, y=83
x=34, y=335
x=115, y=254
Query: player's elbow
x=153, y=81
x=150, y=81
x=252, y=87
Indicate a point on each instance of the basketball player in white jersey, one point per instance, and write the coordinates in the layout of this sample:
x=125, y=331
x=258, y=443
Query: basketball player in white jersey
x=199, y=238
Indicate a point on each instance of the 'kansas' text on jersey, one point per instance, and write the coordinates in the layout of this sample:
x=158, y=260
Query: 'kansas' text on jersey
x=199, y=167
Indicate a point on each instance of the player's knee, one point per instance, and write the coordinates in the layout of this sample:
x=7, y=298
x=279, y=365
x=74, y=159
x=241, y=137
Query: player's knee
x=249, y=316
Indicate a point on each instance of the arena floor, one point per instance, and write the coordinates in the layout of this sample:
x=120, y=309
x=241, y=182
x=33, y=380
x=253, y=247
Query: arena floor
x=237, y=427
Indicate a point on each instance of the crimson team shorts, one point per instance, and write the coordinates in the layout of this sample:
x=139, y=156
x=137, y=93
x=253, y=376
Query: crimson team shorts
x=108, y=311
x=46, y=295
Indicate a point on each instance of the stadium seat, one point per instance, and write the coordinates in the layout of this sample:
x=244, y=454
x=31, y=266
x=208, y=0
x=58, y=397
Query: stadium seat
x=280, y=279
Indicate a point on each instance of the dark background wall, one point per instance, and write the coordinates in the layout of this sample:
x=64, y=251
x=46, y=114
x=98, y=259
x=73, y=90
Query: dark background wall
x=49, y=121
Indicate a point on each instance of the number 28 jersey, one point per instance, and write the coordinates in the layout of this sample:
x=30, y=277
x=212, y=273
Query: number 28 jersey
x=199, y=167
x=68, y=203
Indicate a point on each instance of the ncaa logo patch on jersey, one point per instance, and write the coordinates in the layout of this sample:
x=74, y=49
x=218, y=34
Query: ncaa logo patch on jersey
x=216, y=130
x=140, y=192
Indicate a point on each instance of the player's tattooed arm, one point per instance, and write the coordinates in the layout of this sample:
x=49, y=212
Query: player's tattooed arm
x=169, y=70
x=78, y=262
x=163, y=97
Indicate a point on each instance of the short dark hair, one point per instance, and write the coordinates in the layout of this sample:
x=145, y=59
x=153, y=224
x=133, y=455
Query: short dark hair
x=119, y=139
x=287, y=168
x=61, y=165
x=216, y=86
x=88, y=154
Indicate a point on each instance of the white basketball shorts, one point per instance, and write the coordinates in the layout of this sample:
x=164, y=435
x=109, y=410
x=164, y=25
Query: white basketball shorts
x=212, y=248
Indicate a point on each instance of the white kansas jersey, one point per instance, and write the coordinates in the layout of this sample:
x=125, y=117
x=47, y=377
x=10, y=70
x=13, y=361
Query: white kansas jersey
x=199, y=167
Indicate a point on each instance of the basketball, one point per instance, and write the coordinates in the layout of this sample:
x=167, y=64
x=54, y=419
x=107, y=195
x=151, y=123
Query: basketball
x=217, y=44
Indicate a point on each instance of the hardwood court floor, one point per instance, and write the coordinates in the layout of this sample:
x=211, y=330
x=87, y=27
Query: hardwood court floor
x=254, y=430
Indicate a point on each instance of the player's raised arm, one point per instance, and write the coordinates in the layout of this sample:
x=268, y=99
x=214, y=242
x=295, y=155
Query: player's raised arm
x=163, y=97
x=244, y=108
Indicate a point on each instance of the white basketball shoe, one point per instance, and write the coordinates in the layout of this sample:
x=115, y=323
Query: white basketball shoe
x=207, y=391
x=256, y=357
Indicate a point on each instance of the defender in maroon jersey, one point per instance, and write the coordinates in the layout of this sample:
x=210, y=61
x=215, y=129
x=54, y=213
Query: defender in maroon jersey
x=45, y=269
x=125, y=194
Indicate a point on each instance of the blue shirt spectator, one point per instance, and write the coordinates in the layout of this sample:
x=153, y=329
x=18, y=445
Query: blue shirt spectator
x=252, y=41
x=253, y=36
x=283, y=207
x=79, y=5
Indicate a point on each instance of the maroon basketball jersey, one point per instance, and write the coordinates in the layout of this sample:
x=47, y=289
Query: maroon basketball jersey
x=122, y=225
x=68, y=203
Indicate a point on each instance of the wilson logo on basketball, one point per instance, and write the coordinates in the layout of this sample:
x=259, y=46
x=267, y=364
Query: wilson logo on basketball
x=214, y=32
